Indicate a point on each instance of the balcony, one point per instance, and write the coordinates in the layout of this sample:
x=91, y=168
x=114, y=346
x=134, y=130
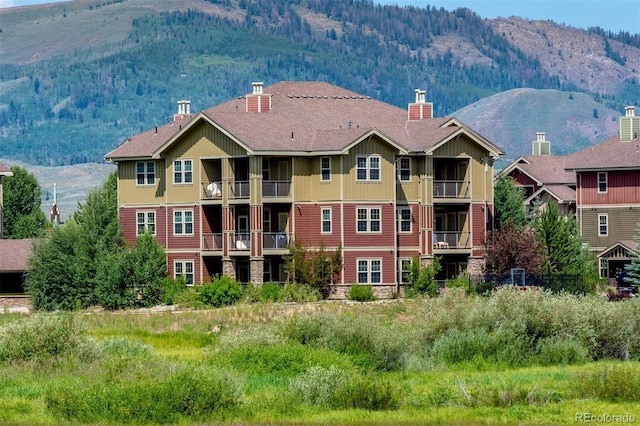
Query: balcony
x=212, y=191
x=276, y=189
x=451, y=240
x=240, y=241
x=275, y=240
x=239, y=189
x=451, y=189
x=212, y=242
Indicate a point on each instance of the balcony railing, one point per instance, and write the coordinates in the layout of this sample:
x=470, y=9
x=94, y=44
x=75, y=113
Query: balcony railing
x=212, y=191
x=451, y=188
x=212, y=242
x=275, y=240
x=446, y=240
x=239, y=189
x=276, y=188
x=240, y=240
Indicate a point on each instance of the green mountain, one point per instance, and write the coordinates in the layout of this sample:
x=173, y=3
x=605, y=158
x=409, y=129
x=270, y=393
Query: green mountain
x=77, y=78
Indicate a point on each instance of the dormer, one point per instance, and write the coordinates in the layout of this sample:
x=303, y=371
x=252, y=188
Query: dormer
x=541, y=146
x=257, y=101
x=629, y=125
x=420, y=109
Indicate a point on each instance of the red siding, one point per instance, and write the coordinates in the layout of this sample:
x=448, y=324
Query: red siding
x=183, y=241
x=308, y=225
x=411, y=239
x=622, y=188
x=523, y=179
x=355, y=239
x=171, y=257
x=129, y=223
x=350, y=261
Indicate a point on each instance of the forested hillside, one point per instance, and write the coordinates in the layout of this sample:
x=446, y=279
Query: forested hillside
x=77, y=78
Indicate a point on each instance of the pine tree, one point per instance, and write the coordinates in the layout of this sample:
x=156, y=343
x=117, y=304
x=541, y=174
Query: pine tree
x=562, y=242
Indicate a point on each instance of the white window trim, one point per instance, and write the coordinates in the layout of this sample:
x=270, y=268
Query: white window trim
x=146, y=223
x=183, y=266
x=606, y=220
x=146, y=173
x=399, y=212
x=183, y=222
x=182, y=171
x=368, y=168
x=322, y=210
x=400, y=169
x=606, y=182
x=368, y=209
x=400, y=271
x=322, y=169
x=369, y=270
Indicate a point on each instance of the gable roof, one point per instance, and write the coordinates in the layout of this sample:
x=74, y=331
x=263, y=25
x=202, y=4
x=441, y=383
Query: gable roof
x=15, y=254
x=544, y=169
x=629, y=247
x=562, y=193
x=610, y=154
x=306, y=118
x=5, y=170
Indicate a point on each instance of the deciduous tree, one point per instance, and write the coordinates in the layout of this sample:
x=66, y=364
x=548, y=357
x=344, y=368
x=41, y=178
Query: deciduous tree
x=509, y=203
x=513, y=247
x=21, y=214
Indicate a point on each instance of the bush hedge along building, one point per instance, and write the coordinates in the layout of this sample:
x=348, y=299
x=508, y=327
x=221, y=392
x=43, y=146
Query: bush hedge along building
x=227, y=189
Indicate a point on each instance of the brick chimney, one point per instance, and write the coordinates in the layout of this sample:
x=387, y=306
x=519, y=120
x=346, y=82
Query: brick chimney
x=420, y=109
x=629, y=125
x=257, y=101
x=541, y=146
x=184, y=110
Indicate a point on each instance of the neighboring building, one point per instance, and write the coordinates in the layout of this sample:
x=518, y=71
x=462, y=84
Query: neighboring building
x=13, y=264
x=544, y=178
x=225, y=190
x=4, y=171
x=608, y=195
x=599, y=184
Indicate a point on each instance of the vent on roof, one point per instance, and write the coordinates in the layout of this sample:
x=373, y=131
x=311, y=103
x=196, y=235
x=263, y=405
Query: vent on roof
x=629, y=125
x=420, y=109
x=257, y=101
x=541, y=146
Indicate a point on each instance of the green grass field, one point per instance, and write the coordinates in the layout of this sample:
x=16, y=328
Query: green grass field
x=513, y=358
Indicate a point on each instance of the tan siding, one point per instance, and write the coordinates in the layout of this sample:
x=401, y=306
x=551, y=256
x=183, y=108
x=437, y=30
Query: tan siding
x=376, y=190
x=129, y=193
x=623, y=224
x=306, y=182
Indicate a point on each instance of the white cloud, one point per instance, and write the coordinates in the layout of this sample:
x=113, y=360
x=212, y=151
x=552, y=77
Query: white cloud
x=6, y=3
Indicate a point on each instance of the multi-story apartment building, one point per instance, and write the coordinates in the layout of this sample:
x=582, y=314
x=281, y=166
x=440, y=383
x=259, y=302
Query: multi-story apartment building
x=544, y=178
x=226, y=190
x=603, y=181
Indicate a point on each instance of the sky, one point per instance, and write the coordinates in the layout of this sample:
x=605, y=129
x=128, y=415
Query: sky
x=612, y=15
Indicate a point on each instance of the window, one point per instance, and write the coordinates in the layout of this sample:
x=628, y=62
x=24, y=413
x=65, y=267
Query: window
x=146, y=222
x=183, y=222
x=184, y=268
x=183, y=171
x=325, y=169
x=404, y=218
x=404, y=169
x=602, y=182
x=368, y=219
x=368, y=168
x=325, y=214
x=603, y=225
x=369, y=271
x=146, y=173
x=405, y=270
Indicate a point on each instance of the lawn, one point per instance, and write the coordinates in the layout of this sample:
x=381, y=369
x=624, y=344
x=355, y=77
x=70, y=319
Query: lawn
x=512, y=358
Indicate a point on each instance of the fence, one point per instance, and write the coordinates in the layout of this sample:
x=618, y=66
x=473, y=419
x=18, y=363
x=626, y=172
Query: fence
x=557, y=283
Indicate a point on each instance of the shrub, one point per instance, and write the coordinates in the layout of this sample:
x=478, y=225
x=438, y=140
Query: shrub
x=171, y=289
x=361, y=293
x=41, y=337
x=300, y=293
x=617, y=296
x=461, y=281
x=317, y=385
x=422, y=279
x=270, y=292
x=561, y=350
x=221, y=291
